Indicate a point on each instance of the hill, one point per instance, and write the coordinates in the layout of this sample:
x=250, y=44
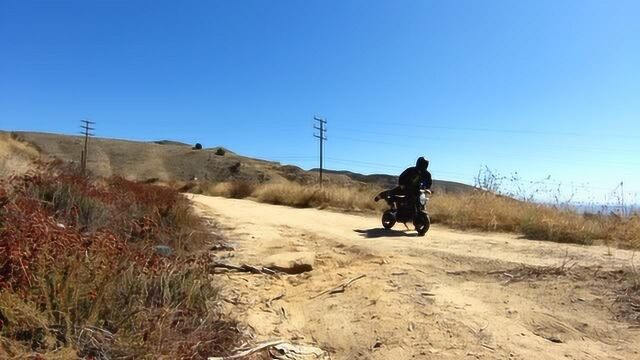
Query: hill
x=168, y=161
x=388, y=181
x=16, y=157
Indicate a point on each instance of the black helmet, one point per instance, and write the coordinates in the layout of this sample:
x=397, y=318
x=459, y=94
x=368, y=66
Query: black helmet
x=422, y=163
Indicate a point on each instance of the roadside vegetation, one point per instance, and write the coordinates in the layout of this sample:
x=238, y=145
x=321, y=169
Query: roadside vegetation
x=483, y=210
x=102, y=269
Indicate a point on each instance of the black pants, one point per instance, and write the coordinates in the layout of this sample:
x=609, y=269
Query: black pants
x=398, y=190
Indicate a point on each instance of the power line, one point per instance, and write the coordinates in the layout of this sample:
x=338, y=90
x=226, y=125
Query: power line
x=608, y=164
x=506, y=131
x=452, y=139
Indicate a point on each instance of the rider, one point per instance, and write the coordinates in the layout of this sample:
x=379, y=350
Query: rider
x=411, y=180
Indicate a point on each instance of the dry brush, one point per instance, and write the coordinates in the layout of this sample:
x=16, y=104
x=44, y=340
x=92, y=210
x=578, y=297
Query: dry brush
x=80, y=274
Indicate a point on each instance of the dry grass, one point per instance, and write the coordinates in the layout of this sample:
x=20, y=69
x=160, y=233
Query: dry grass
x=489, y=212
x=234, y=190
x=356, y=198
x=16, y=157
x=479, y=210
x=79, y=274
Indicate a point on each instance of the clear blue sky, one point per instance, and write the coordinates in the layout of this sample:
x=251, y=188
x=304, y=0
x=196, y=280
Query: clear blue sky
x=544, y=87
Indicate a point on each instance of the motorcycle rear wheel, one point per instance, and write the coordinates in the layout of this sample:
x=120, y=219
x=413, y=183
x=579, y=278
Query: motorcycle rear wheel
x=388, y=219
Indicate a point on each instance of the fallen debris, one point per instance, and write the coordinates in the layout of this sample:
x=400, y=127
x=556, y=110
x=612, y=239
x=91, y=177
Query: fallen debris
x=248, y=351
x=377, y=345
x=291, y=262
x=270, y=301
x=340, y=288
x=279, y=350
x=488, y=347
x=411, y=327
x=222, y=247
x=523, y=273
x=288, y=351
x=244, y=268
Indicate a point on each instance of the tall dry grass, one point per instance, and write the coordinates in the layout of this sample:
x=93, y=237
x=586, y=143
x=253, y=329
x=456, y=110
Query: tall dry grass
x=234, y=189
x=355, y=198
x=490, y=212
x=477, y=210
x=331, y=196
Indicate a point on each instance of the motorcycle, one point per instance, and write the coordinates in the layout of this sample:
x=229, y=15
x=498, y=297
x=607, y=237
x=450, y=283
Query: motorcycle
x=402, y=209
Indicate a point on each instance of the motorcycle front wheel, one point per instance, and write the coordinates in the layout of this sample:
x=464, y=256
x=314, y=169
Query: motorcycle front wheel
x=422, y=223
x=388, y=219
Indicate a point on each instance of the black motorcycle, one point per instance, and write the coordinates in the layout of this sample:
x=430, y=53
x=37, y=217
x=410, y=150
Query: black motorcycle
x=402, y=209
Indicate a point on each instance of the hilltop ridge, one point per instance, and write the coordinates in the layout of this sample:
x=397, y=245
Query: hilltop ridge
x=167, y=160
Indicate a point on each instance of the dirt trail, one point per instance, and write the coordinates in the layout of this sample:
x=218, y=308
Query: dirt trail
x=450, y=295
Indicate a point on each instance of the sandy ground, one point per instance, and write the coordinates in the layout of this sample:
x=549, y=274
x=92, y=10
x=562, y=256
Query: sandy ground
x=449, y=295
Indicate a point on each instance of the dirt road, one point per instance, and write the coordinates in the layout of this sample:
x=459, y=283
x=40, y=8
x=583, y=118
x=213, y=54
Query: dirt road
x=449, y=295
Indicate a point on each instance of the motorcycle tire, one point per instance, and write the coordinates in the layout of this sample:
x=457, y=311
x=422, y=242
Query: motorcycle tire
x=422, y=223
x=388, y=219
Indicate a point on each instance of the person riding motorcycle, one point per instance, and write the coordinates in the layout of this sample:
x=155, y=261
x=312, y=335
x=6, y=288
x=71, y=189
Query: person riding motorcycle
x=411, y=181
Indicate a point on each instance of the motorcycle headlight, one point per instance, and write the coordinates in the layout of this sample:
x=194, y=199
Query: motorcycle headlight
x=423, y=199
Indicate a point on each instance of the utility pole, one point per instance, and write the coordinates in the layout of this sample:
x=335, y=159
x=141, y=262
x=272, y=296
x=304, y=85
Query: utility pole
x=624, y=210
x=86, y=127
x=322, y=137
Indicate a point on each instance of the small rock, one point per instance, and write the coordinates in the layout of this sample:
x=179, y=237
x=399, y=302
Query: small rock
x=163, y=250
x=554, y=339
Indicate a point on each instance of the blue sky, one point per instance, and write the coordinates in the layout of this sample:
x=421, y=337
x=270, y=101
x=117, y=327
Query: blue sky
x=545, y=87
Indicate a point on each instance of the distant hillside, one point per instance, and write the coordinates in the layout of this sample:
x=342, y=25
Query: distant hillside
x=388, y=181
x=16, y=157
x=170, y=142
x=167, y=161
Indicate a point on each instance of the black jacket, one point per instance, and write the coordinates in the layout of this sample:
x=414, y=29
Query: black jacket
x=411, y=179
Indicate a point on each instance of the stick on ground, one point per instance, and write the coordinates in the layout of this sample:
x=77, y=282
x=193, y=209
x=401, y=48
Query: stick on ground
x=247, y=352
x=245, y=268
x=340, y=288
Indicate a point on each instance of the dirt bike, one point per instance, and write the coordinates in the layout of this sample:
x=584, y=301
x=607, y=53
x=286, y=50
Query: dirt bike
x=402, y=209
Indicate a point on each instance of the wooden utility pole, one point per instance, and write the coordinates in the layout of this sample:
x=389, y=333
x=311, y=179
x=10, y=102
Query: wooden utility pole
x=86, y=127
x=322, y=137
x=624, y=210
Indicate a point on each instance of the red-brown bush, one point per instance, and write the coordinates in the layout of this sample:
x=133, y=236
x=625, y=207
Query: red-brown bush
x=78, y=271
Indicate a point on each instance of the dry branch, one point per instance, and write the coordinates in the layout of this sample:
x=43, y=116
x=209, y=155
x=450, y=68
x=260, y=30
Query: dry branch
x=279, y=349
x=247, y=352
x=340, y=288
x=245, y=268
